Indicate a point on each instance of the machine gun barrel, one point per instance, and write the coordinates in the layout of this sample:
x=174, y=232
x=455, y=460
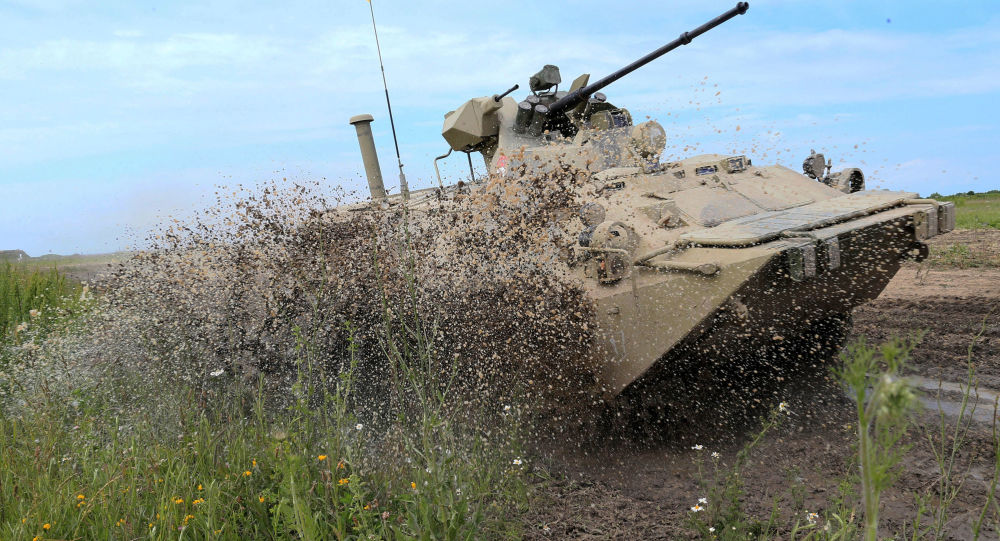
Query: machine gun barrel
x=576, y=97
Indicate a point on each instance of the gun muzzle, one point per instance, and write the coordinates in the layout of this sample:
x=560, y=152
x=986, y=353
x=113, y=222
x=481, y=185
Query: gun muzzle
x=362, y=123
x=576, y=97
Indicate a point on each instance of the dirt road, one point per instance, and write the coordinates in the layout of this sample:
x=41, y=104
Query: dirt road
x=624, y=490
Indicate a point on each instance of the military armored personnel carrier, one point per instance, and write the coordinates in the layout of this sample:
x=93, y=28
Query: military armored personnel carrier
x=712, y=249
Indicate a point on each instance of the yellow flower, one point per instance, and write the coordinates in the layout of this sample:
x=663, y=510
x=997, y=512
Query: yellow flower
x=261, y=498
x=36, y=538
x=199, y=487
x=321, y=458
x=253, y=463
x=413, y=485
x=343, y=481
x=46, y=526
x=199, y=500
x=217, y=532
x=178, y=501
x=247, y=473
x=150, y=524
x=341, y=465
x=367, y=507
x=80, y=496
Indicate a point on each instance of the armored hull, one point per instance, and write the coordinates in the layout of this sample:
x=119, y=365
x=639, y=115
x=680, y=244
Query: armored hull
x=709, y=249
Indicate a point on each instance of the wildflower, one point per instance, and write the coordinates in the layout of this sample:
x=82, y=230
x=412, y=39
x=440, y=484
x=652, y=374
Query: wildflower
x=506, y=407
x=546, y=529
x=217, y=373
x=199, y=487
x=260, y=499
x=783, y=407
x=458, y=491
x=341, y=465
x=33, y=313
x=36, y=538
x=343, y=481
x=697, y=508
x=21, y=327
x=150, y=524
x=698, y=447
x=178, y=501
x=385, y=515
x=413, y=485
x=199, y=500
x=80, y=496
x=46, y=526
x=715, y=454
x=247, y=473
x=703, y=500
x=359, y=426
x=367, y=507
x=517, y=461
x=253, y=463
x=811, y=517
x=217, y=532
x=711, y=529
x=321, y=458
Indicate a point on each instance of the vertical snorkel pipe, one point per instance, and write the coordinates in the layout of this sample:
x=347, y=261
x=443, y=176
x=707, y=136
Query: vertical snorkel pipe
x=363, y=124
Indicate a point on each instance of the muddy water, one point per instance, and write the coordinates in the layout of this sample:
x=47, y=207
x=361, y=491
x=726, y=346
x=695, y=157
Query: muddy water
x=469, y=288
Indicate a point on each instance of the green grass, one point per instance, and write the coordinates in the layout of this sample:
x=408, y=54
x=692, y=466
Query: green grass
x=24, y=290
x=103, y=453
x=302, y=474
x=975, y=210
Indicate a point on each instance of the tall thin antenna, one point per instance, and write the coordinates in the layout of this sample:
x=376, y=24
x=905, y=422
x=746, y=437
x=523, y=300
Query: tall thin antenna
x=403, y=188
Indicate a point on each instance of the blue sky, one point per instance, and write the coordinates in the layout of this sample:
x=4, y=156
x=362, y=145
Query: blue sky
x=117, y=114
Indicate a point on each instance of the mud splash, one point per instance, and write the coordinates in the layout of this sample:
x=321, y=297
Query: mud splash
x=263, y=281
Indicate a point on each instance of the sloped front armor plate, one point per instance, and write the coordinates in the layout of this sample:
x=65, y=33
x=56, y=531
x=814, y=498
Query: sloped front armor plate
x=770, y=225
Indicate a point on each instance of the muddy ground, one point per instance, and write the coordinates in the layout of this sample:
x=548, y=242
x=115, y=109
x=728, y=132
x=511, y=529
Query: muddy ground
x=628, y=490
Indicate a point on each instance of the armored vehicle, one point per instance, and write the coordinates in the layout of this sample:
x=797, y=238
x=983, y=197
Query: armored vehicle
x=713, y=249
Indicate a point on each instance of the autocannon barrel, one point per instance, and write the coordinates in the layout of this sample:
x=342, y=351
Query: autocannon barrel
x=576, y=97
